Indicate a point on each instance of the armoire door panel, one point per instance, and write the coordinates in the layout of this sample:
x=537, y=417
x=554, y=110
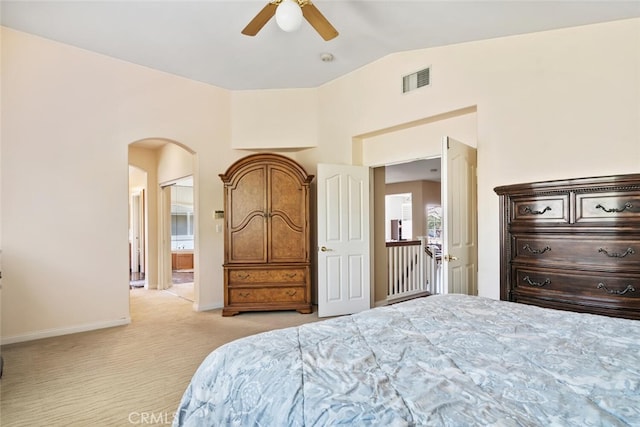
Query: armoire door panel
x=246, y=196
x=287, y=196
x=287, y=242
x=248, y=243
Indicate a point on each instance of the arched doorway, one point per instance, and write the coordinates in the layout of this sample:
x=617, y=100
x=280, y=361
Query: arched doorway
x=165, y=163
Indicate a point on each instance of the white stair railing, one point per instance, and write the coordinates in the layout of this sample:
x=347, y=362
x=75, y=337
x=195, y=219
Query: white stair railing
x=408, y=269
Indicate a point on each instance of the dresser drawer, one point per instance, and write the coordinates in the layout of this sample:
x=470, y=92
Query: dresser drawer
x=265, y=276
x=583, y=284
x=540, y=209
x=267, y=295
x=561, y=249
x=626, y=308
x=617, y=208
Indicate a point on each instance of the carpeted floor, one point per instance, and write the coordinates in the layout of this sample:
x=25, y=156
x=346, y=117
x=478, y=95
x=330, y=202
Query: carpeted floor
x=122, y=376
x=182, y=290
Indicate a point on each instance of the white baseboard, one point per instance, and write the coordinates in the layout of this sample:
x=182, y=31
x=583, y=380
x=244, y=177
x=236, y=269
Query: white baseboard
x=48, y=333
x=381, y=303
x=206, y=307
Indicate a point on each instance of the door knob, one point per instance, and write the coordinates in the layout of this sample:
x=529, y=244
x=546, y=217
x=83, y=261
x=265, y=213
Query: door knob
x=324, y=249
x=450, y=258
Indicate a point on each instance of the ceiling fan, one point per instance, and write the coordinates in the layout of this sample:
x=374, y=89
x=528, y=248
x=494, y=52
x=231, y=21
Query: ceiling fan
x=289, y=15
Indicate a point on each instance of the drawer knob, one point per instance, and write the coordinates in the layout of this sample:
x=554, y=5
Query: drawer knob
x=626, y=206
x=291, y=275
x=629, y=251
x=243, y=294
x=629, y=288
x=536, y=251
x=291, y=293
x=528, y=210
x=243, y=275
x=536, y=284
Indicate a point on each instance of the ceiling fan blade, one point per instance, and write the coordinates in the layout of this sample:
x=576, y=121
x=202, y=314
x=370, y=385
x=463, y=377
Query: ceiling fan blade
x=260, y=20
x=318, y=21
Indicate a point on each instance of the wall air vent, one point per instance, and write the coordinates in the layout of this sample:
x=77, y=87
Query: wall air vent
x=416, y=80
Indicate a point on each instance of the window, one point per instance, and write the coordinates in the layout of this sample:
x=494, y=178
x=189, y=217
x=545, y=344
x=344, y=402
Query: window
x=434, y=225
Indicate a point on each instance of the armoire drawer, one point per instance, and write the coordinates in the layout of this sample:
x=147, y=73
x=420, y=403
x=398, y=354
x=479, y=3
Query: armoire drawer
x=265, y=276
x=267, y=295
x=540, y=209
x=570, y=249
x=617, y=208
x=579, y=284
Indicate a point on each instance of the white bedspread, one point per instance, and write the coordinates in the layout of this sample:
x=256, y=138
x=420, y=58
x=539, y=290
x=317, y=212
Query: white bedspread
x=448, y=360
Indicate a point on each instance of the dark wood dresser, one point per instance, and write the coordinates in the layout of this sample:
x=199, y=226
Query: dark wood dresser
x=572, y=244
x=266, y=257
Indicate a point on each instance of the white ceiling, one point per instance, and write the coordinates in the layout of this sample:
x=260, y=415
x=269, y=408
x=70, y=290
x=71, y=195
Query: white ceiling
x=418, y=170
x=201, y=40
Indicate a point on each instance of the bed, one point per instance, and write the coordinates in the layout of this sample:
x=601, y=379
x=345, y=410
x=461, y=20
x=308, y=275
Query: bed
x=442, y=360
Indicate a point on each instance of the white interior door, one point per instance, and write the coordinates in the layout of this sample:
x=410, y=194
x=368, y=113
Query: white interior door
x=459, y=191
x=344, y=285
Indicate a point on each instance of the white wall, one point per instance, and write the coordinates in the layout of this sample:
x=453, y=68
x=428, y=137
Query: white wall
x=557, y=104
x=68, y=117
x=174, y=162
x=268, y=119
x=421, y=139
x=550, y=105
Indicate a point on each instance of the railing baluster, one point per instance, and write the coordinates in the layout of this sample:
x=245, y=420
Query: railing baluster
x=395, y=271
x=408, y=271
x=389, y=271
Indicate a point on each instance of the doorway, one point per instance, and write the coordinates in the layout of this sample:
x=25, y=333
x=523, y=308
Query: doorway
x=458, y=225
x=413, y=243
x=163, y=164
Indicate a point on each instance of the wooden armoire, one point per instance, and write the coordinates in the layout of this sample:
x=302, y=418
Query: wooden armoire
x=266, y=256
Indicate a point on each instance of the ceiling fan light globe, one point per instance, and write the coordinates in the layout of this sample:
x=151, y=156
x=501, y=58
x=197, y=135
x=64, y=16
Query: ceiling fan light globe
x=289, y=15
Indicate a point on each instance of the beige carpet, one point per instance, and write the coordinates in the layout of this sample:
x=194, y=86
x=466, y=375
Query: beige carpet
x=123, y=376
x=182, y=290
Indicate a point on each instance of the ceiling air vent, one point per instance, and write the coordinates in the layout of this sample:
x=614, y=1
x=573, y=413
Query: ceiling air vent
x=416, y=80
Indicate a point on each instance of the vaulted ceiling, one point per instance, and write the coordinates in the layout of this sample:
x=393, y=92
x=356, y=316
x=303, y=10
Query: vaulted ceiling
x=201, y=40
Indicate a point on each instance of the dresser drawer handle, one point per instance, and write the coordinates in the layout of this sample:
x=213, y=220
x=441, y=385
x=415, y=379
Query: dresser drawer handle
x=536, y=251
x=629, y=251
x=536, y=284
x=291, y=275
x=629, y=288
x=243, y=275
x=291, y=292
x=531, y=211
x=243, y=294
x=626, y=206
